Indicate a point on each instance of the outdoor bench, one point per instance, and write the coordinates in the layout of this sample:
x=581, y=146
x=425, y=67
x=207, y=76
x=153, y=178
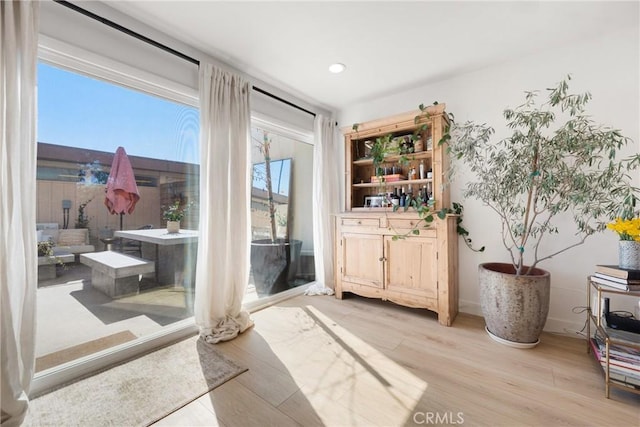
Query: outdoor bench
x=116, y=274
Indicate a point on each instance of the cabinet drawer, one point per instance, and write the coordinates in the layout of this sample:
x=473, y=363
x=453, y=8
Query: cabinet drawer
x=405, y=223
x=364, y=222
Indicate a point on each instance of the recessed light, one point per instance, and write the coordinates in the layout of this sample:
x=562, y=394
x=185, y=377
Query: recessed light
x=337, y=68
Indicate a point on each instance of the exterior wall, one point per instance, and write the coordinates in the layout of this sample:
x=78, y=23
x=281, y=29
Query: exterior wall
x=173, y=180
x=49, y=207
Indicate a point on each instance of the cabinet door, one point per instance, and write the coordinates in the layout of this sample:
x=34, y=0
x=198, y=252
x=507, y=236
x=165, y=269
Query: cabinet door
x=411, y=266
x=362, y=259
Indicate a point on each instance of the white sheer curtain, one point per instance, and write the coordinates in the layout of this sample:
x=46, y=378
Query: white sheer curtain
x=325, y=203
x=223, y=248
x=18, y=259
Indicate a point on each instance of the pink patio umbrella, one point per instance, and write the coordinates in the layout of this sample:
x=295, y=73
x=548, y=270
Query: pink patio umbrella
x=122, y=191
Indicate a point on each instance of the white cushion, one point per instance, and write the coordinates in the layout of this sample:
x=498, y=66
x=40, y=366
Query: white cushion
x=46, y=226
x=73, y=237
x=50, y=234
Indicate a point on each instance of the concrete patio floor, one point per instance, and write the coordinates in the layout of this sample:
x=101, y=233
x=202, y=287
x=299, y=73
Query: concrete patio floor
x=70, y=312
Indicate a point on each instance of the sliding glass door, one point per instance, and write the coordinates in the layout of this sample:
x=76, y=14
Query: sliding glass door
x=88, y=315
x=281, y=216
x=85, y=305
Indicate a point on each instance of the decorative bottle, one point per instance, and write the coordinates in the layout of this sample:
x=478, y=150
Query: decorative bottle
x=395, y=199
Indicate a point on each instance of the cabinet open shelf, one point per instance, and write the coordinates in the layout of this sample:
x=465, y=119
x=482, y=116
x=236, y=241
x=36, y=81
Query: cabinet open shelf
x=395, y=158
x=393, y=183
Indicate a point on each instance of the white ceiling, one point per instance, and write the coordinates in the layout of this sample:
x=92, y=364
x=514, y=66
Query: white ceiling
x=386, y=46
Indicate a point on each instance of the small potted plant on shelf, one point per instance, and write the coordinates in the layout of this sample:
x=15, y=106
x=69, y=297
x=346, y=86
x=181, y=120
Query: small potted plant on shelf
x=385, y=146
x=173, y=215
x=531, y=178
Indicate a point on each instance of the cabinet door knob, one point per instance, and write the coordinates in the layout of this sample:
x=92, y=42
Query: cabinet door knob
x=359, y=222
x=381, y=259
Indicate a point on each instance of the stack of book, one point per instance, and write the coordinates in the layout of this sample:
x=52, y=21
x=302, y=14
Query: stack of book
x=624, y=362
x=616, y=277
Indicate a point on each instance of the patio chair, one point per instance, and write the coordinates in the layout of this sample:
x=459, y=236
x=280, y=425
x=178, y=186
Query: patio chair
x=133, y=246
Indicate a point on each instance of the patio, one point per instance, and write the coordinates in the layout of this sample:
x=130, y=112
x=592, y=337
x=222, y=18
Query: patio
x=74, y=319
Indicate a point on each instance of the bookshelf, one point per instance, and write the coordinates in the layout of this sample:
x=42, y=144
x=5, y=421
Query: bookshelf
x=617, y=351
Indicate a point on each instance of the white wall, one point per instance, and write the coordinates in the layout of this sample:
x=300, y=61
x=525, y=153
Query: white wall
x=608, y=67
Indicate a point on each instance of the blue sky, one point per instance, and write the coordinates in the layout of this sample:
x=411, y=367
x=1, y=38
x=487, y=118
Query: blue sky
x=78, y=111
x=280, y=176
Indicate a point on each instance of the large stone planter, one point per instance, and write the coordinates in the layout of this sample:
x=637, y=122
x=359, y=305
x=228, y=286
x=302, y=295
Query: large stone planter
x=515, y=307
x=274, y=265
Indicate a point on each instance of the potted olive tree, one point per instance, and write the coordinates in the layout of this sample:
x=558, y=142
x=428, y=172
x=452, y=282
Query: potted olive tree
x=543, y=171
x=272, y=259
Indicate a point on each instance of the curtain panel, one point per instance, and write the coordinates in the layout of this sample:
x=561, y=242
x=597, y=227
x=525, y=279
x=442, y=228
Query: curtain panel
x=222, y=271
x=325, y=203
x=18, y=262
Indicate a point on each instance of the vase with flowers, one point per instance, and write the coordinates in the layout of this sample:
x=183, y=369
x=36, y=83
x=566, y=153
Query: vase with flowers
x=629, y=245
x=173, y=215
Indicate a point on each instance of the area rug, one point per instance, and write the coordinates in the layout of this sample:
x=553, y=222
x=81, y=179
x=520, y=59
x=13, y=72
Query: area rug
x=77, y=351
x=139, y=392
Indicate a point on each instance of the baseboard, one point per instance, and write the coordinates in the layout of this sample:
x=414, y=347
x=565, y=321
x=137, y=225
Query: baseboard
x=265, y=302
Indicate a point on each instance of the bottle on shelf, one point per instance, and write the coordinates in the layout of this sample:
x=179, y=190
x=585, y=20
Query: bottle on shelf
x=429, y=144
x=395, y=199
x=422, y=171
x=418, y=145
x=412, y=173
x=424, y=196
x=403, y=198
x=407, y=201
x=430, y=173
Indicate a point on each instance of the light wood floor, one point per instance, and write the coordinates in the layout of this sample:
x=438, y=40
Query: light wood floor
x=317, y=361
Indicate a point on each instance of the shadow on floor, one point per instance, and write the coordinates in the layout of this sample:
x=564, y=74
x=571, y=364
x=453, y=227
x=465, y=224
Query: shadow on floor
x=162, y=305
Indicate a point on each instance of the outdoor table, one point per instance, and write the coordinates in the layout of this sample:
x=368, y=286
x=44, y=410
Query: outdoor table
x=175, y=254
